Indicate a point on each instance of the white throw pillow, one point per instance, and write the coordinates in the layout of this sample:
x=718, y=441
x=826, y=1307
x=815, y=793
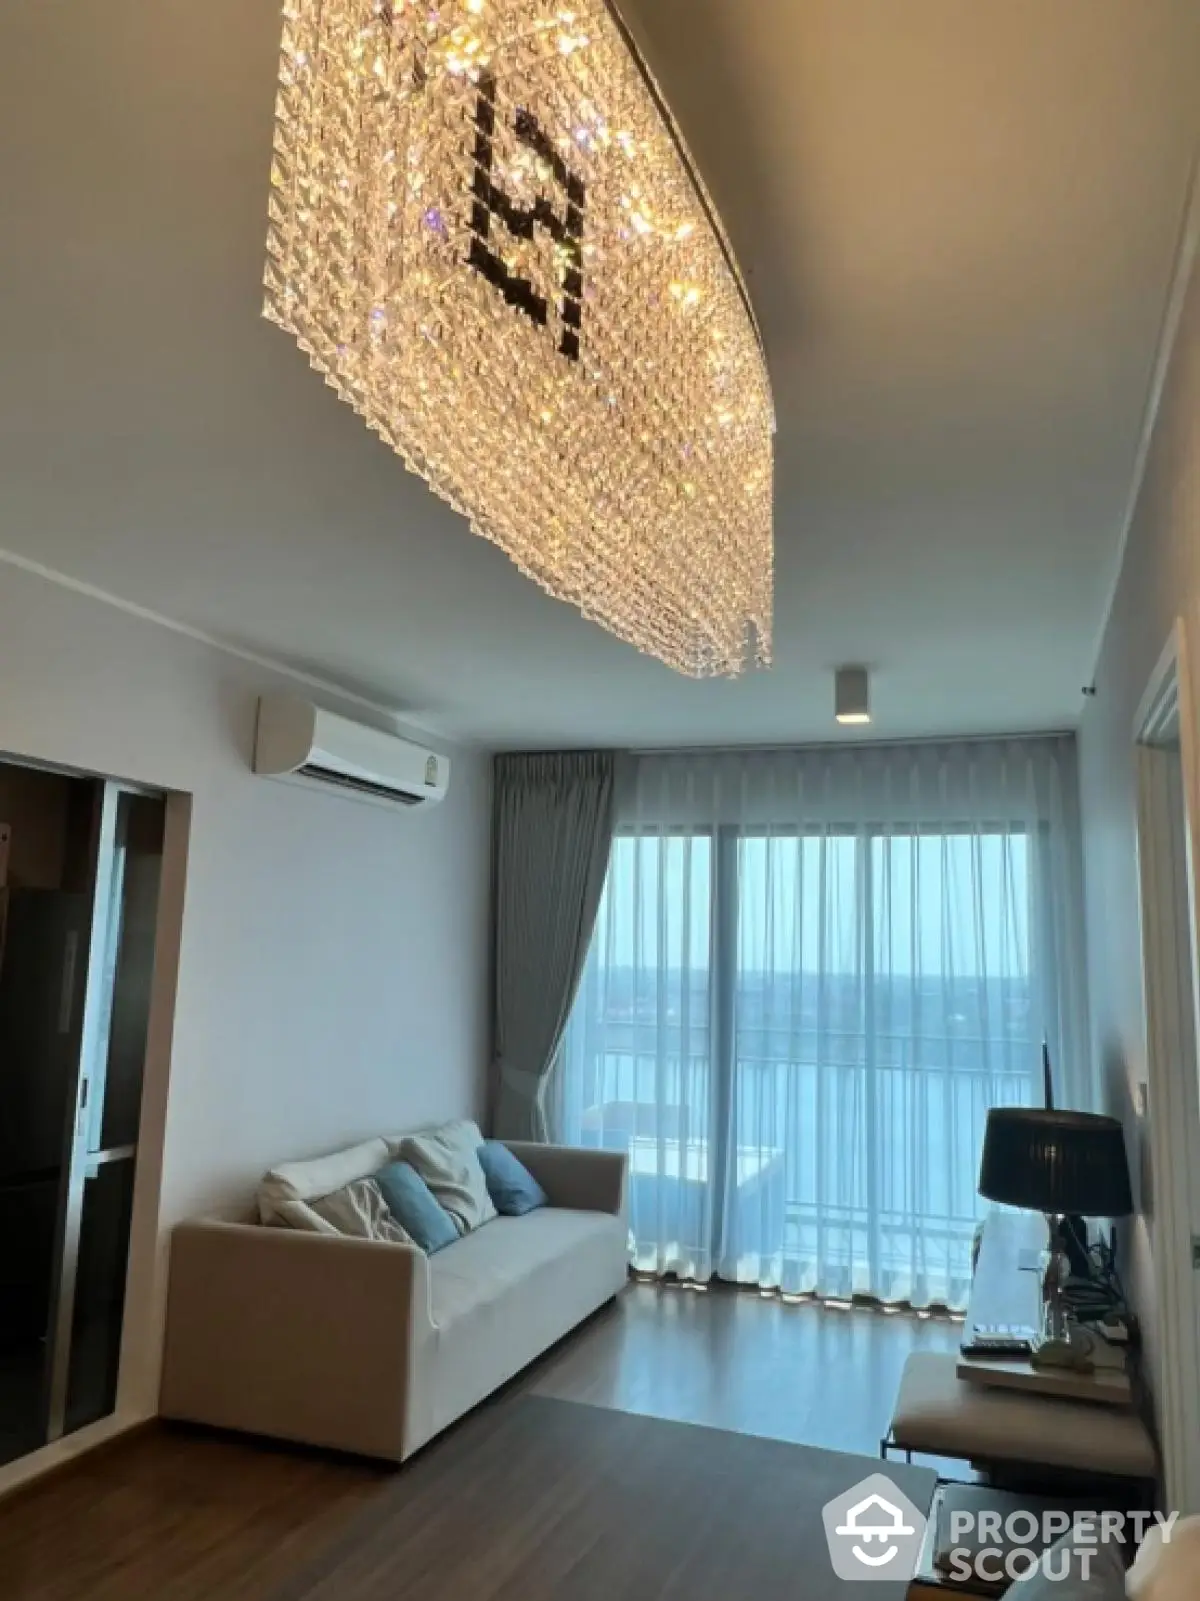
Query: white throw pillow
x=322, y=1175
x=359, y=1211
x=447, y=1159
x=297, y=1215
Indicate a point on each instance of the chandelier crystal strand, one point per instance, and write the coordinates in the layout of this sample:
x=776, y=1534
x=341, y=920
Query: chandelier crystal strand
x=487, y=237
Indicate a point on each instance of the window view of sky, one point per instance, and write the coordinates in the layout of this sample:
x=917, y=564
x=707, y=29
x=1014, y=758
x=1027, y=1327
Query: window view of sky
x=936, y=904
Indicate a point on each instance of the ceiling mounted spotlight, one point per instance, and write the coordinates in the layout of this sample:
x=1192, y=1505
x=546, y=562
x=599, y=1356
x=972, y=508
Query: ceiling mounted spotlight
x=852, y=695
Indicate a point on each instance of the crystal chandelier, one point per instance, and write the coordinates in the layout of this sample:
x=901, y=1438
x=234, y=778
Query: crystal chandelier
x=487, y=235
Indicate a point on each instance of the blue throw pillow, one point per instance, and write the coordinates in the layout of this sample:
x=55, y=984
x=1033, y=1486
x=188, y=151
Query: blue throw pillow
x=414, y=1206
x=512, y=1187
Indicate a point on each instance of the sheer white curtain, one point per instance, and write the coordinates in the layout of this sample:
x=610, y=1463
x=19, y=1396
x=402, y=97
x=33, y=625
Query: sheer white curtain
x=812, y=974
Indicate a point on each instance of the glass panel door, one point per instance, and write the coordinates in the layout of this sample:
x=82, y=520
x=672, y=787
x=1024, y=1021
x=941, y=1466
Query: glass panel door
x=951, y=963
x=799, y=1056
x=97, y=1204
x=80, y=868
x=635, y=1072
x=47, y=833
x=115, y=1095
x=128, y=880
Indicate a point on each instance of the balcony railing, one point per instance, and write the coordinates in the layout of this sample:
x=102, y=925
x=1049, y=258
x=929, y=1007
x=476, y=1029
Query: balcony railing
x=876, y=1136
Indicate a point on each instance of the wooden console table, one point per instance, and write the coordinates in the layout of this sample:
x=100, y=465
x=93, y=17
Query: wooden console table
x=1007, y=1291
x=964, y=1406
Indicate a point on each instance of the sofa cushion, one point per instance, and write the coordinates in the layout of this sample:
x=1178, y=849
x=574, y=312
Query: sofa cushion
x=506, y=1293
x=447, y=1159
x=485, y=1266
x=321, y=1175
x=415, y=1207
x=512, y=1187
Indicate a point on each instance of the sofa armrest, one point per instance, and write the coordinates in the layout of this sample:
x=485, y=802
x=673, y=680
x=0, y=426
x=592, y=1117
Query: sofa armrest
x=586, y=1181
x=301, y=1336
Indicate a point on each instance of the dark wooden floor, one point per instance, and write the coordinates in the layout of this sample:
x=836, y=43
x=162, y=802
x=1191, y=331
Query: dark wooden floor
x=180, y=1516
x=736, y=1360
x=174, y=1516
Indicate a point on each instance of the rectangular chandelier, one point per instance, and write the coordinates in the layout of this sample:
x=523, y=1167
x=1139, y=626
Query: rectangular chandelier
x=487, y=235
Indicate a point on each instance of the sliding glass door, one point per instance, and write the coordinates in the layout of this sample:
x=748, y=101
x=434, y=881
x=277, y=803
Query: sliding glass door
x=80, y=869
x=637, y=1072
x=797, y=1035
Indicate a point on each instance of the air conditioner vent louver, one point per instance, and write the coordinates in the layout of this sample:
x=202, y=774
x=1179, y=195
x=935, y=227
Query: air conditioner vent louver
x=360, y=786
x=303, y=744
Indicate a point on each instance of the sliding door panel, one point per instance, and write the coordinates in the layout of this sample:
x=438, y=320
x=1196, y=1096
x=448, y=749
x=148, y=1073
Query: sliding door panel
x=800, y=1062
x=98, y=1188
x=45, y=917
x=80, y=869
x=106, y=1153
x=881, y=1004
x=635, y=1073
x=950, y=956
x=132, y=927
x=813, y=974
x=98, y=1312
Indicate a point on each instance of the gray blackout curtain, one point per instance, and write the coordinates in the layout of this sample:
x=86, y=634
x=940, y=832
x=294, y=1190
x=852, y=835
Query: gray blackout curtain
x=553, y=826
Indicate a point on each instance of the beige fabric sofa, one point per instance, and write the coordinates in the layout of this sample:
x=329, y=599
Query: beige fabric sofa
x=374, y=1347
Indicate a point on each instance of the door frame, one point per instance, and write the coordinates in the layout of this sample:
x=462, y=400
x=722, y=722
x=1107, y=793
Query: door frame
x=144, y=1307
x=1168, y=846
x=144, y=1314
x=71, y=1199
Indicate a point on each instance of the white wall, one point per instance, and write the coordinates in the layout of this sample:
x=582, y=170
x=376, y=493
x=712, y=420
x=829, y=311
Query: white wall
x=332, y=976
x=1159, y=581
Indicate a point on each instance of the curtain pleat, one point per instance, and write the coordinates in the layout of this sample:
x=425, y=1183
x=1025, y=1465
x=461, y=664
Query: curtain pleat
x=553, y=824
x=812, y=974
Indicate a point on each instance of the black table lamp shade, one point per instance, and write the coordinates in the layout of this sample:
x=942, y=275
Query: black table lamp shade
x=1055, y=1162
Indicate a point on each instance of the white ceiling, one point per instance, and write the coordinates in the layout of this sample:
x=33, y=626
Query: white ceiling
x=958, y=222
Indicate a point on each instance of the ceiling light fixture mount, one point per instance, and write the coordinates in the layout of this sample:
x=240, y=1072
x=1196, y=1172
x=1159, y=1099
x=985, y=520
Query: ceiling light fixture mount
x=852, y=695
x=488, y=236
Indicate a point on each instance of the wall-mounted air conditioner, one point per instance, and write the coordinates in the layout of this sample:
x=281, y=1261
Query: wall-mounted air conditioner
x=299, y=742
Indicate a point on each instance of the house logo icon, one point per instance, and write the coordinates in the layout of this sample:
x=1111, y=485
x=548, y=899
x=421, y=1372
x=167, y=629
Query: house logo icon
x=887, y=1526
x=873, y=1531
